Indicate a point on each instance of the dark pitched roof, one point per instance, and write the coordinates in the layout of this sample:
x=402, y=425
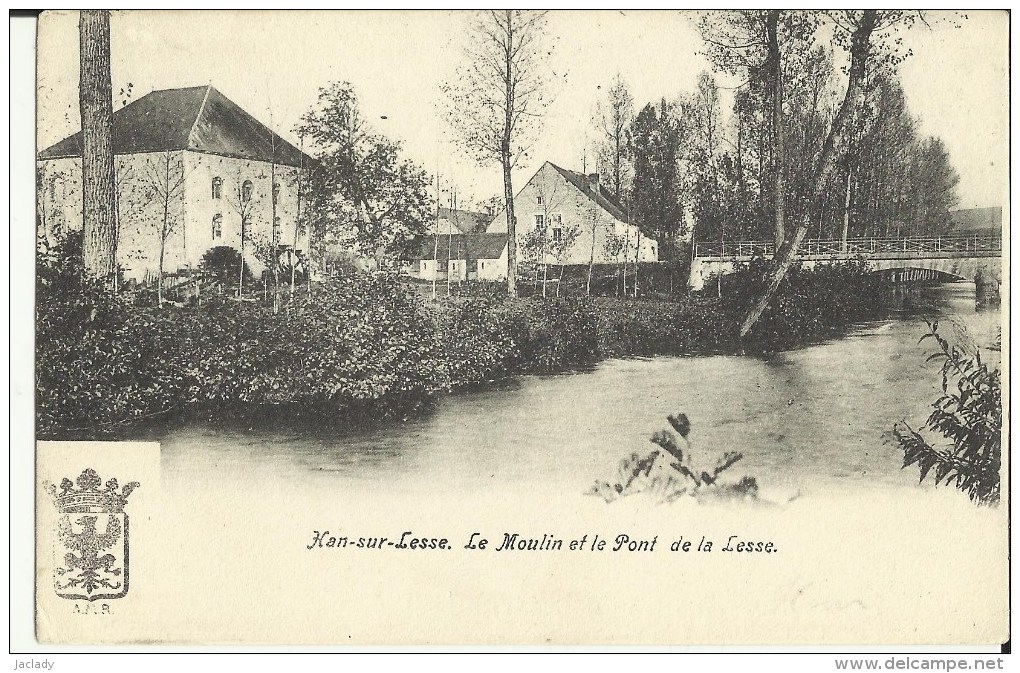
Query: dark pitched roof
x=603, y=198
x=467, y=221
x=459, y=246
x=199, y=118
x=969, y=220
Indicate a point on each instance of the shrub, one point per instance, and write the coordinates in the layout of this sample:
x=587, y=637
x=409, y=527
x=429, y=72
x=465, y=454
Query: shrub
x=669, y=476
x=96, y=367
x=476, y=342
x=969, y=415
x=357, y=342
x=810, y=302
x=222, y=264
x=552, y=334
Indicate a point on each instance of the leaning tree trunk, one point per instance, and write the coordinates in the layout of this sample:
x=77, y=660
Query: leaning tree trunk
x=860, y=46
x=95, y=98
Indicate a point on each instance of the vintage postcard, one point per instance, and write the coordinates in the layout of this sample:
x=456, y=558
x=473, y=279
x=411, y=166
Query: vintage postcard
x=522, y=328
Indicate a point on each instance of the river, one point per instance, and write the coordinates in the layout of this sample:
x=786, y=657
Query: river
x=808, y=420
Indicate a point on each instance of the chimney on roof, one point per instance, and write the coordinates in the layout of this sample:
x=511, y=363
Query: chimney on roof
x=593, y=180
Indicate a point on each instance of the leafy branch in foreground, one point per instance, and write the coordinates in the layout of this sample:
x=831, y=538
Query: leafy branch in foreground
x=675, y=475
x=969, y=414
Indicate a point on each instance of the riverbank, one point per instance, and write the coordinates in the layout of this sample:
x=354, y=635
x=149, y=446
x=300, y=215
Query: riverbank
x=366, y=347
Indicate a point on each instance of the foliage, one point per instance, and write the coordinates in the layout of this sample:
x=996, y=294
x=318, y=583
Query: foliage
x=484, y=107
x=97, y=365
x=654, y=142
x=490, y=339
x=647, y=328
x=899, y=182
x=359, y=341
x=359, y=347
x=670, y=472
x=613, y=115
x=969, y=415
x=495, y=105
x=810, y=302
x=221, y=264
x=362, y=194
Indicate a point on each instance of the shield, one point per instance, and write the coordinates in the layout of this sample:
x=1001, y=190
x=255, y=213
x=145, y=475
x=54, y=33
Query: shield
x=92, y=555
x=92, y=538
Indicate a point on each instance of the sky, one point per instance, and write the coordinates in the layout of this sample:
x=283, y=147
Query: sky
x=273, y=63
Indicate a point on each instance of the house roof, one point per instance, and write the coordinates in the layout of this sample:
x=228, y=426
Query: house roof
x=200, y=119
x=974, y=220
x=459, y=246
x=603, y=198
x=467, y=221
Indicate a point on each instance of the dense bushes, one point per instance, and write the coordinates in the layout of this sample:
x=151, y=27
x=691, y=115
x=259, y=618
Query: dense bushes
x=649, y=328
x=968, y=416
x=367, y=345
x=360, y=344
x=489, y=339
x=811, y=302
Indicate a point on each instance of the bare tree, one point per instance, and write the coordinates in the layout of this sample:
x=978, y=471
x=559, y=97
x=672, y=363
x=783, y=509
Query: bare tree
x=550, y=190
x=300, y=182
x=613, y=116
x=593, y=221
x=614, y=246
x=95, y=98
x=242, y=200
x=496, y=102
x=164, y=180
x=559, y=247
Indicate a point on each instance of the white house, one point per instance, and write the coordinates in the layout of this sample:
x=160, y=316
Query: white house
x=458, y=257
x=573, y=205
x=218, y=169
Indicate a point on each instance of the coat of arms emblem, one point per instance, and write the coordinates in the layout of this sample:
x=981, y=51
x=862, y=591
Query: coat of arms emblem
x=92, y=537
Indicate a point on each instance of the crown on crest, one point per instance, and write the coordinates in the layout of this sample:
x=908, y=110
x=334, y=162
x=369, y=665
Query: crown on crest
x=91, y=495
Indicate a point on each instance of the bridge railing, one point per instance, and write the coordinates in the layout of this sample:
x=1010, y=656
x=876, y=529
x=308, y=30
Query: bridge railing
x=908, y=247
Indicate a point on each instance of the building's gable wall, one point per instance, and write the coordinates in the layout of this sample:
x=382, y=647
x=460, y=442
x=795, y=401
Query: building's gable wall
x=190, y=213
x=202, y=169
x=575, y=209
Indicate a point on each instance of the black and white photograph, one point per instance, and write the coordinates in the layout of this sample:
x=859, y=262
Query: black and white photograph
x=521, y=328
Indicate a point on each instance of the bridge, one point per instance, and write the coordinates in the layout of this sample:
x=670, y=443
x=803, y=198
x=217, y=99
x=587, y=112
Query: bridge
x=940, y=258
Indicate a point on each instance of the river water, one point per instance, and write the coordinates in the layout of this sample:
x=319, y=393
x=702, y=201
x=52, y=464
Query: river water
x=809, y=420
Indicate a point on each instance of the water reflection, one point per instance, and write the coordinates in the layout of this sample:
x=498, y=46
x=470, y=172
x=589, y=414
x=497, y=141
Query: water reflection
x=808, y=419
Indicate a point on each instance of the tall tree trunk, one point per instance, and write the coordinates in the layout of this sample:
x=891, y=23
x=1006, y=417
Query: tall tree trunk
x=276, y=231
x=860, y=46
x=159, y=280
x=511, y=225
x=637, y=263
x=240, y=275
x=776, y=80
x=626, y=251
x=508, y=188
x=297, y=227
x=95, y=98
x=591, y=263
x=846, y=211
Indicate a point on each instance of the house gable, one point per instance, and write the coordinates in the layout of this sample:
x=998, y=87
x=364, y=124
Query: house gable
x=199, y=119
x=577, y=193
